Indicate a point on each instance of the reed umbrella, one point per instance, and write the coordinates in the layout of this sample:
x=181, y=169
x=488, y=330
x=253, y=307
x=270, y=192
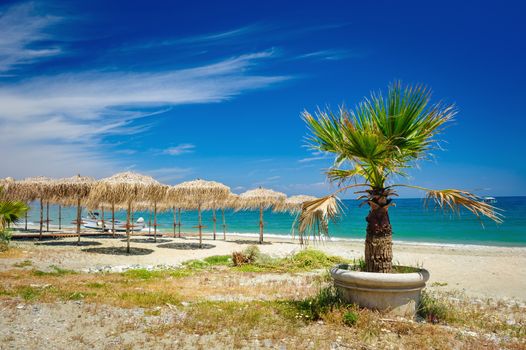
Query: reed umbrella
x=260, y=198
x=293, y=204
x=76, y=188
x=32, y=188
x=198, y=193
x=127, y=187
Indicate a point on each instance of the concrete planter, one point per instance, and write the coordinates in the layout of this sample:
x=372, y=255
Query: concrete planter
x=397, y=293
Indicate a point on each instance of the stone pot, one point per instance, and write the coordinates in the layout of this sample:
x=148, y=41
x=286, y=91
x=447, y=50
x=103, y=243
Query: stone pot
x=396, y=293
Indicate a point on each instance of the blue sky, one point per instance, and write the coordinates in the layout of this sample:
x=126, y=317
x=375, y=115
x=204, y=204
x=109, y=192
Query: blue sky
x=214, y=90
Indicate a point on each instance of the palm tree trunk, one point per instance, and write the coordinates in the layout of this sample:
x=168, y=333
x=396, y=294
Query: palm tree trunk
x=261, y=224
x=155, y=222
x=79, y=217
x=379, y=240
x=128, y=228
x=200, y=227
x=214, y=218
x=41, y=217
x=224, y=223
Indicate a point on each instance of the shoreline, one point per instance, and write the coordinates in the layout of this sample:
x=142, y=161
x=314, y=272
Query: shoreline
x=461, y=245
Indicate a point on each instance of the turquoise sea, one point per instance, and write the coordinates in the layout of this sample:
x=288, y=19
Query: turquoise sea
x=410, y=220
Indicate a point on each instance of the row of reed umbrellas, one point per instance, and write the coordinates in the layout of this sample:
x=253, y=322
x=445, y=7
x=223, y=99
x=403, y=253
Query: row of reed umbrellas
x=132, y=191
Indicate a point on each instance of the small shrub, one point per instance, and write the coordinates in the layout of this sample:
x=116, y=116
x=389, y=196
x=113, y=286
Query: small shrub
x=350, y=318
x=432, y=309
x=247, y=256
x=314, y=307
x=5, y=239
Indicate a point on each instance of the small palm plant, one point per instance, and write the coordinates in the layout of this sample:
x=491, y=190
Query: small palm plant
x=374, y=143
x=10, y=213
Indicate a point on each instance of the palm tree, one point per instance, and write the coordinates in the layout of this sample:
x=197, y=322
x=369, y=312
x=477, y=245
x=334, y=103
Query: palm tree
x=374, y=143
x=10, y=212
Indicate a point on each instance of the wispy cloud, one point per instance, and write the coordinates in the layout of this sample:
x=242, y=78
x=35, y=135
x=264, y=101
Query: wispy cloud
x=179, y=149
x=315, y=157
x=331, y=55
x=57, y=125
x=22, y=30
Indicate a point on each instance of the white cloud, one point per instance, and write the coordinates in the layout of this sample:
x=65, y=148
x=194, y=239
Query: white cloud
x=21, y=29
x=58, y=125
x=331, y=55
x=75, y=111
x=180, y=149
x=315, y=157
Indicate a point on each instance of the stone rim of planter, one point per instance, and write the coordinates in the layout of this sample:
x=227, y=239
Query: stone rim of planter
x=397, y=292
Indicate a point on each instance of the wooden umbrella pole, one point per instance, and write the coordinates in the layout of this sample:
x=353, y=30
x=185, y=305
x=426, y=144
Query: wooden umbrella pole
x=128, y=228
x=47, y=216
x=214, y=218
x=41, y=217
x=60, y=217
x=155, y=222
x=224, y=223
x=179, y=222
x=200, y=227
x=175, y=220
x=25, y=225
x=79, y=217
x=260, y=224
x=103, y=226
x=113, y=219
x=149, y=222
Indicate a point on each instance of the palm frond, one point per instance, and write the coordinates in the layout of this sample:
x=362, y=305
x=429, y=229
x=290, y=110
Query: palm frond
x=453, y=200
x=316, y=214
x=383, y=134
x=11, y=212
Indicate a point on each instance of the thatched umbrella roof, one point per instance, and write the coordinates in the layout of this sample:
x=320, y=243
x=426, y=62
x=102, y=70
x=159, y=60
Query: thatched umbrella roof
x=73, y=187
x=31, y=188
x=260, y=198
x=8, y=186
x=198, y=192
x=127, y=187
x=293, y=204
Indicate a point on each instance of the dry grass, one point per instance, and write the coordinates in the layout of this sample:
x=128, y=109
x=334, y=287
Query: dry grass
x=233, y=308
x=13, y=253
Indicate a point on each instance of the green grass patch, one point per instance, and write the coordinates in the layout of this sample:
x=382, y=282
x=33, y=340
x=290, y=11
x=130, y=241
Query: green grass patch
x=55, y=271
x=144, y=274
x=24, y=263
x=218, y=260
x=305, y=260
x=148, y=299
x=29, y=293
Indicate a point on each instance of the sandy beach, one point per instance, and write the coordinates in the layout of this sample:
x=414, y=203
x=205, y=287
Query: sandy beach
x=478, y=271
